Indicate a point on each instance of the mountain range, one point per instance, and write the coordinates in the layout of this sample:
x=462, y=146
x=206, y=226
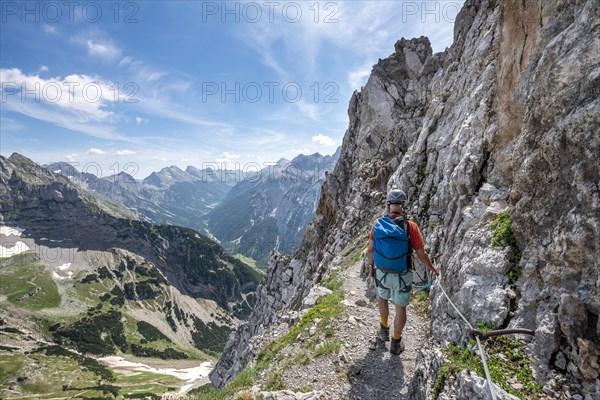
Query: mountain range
x=170, y=196
x=272, y=209
x=89, y=275
x=250, y=214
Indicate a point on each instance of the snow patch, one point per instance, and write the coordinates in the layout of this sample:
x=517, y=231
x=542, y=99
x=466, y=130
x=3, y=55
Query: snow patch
x=57, y=276
x=190, y=375
x=7, y=231
x=64, y=266
x=18, y=248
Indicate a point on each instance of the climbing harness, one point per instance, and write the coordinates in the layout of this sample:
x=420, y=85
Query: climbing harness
x=423, y=285
x=404, y=287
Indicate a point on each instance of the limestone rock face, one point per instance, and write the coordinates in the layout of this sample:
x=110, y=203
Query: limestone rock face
x=507, y=119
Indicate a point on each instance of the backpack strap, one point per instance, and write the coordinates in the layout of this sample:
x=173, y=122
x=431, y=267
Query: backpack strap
x=409, y=267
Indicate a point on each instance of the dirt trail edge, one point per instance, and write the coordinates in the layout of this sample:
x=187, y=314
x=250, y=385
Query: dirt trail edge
x=362, y=367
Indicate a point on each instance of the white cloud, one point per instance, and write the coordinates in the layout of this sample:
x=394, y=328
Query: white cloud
x=97, y=152
x=49, y=29
x=358, y=77
x=102, y=49
x=75, y=102
x=124, y=152
x=323, y=140
x=227, y=157
x=82, y=94
x=309, y=110
x=43, y=68
x=228, y=160
x=140, y=121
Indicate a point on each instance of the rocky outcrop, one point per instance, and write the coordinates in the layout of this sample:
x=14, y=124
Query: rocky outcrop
x=504, y=120
x=348, y=200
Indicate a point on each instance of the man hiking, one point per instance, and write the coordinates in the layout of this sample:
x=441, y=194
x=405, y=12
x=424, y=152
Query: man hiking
x=391, y=242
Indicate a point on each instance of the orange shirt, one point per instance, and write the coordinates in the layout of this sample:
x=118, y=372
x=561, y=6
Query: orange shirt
x=414, y=234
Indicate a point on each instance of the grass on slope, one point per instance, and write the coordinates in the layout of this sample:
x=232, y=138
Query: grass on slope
x=59, y=373
x=28, y=284
x=328, y=308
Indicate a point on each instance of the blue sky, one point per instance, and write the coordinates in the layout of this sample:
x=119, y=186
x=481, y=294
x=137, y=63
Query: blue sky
x=140, y=85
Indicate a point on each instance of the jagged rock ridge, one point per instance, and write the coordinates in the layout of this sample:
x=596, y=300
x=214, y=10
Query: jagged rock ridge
x=505, y=119
x=169, y=196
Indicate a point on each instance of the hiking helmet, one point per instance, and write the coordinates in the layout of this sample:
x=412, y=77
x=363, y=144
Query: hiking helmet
x=396, y=196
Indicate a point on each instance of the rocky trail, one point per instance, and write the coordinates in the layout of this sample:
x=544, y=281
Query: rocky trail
x=374, y=372
x=363, y=368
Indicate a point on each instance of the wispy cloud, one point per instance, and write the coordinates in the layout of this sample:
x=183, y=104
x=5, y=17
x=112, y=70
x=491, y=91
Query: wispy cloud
x=105, y=50
x=358, y=77
x=140, y=121
x=96, y=152
x=323, y=140
x=49, y=29
x=76, y=102
x=141, y=71
x=124, y=152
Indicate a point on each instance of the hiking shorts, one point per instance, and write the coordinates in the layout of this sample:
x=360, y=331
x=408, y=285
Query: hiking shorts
x=393, y=286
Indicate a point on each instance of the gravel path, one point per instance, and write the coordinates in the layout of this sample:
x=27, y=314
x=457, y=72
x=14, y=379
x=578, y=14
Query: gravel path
x=374, y=373
x=364, y=367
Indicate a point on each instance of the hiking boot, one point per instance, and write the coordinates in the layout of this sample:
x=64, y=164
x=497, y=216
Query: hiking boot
x=396, y=347
x=384, y=333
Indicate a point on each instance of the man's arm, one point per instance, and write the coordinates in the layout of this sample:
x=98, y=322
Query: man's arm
x=424, y=257
x=370, y=259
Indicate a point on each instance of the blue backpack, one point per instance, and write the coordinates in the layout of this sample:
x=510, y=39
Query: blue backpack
x=392, y=245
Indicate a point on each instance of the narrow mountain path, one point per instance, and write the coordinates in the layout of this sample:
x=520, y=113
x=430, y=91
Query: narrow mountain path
x=363, y=367
x=373, y=372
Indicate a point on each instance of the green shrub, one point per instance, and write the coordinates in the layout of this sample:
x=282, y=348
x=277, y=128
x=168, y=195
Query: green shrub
x=506, y=358
x=327, y=308
x=87, y=363
x=98, y=334
x=150, y=332
x=327, y=347
x=166, y=354
x=90, y=278
x=144, y=396
x=210, y=337
x=503, y=236
x=333, y=281
x=274, y=382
